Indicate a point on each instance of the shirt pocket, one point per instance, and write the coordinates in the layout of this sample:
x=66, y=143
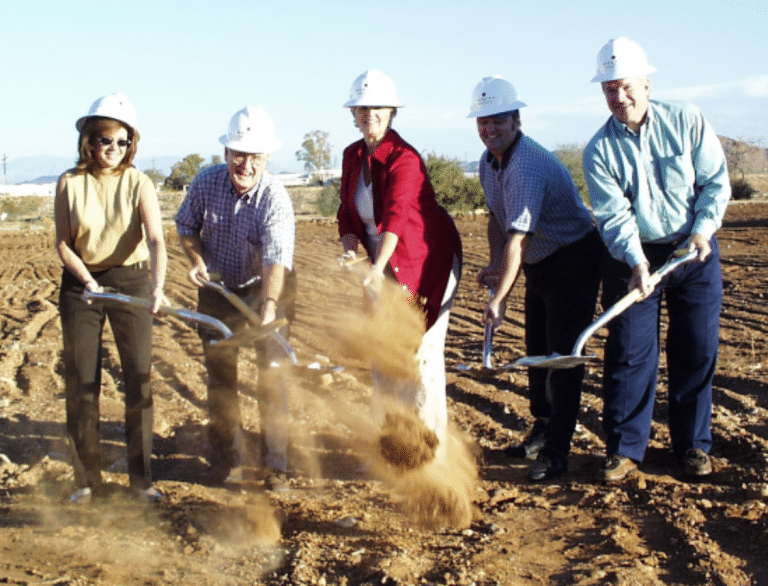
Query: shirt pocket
x=676, y=174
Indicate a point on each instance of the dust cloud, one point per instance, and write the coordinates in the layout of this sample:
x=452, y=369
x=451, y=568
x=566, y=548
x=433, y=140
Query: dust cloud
x=433, y=487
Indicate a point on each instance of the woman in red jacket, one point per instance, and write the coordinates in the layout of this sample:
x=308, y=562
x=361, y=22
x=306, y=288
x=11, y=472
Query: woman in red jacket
x=388, y=205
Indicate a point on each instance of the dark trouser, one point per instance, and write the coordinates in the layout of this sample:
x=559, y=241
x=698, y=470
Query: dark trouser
x=221, y=364
x=82, y=325
x=560, y=296
x=694, y=294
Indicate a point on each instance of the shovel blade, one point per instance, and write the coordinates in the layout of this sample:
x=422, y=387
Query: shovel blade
x=554, y=361
x=249, y=335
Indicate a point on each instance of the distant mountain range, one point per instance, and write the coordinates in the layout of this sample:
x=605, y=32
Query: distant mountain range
x=42, y=169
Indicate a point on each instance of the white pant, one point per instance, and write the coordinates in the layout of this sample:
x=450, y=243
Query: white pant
x=427, y=394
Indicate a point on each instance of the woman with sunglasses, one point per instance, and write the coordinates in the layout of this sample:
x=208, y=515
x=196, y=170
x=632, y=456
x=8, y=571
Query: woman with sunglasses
x=109, y=236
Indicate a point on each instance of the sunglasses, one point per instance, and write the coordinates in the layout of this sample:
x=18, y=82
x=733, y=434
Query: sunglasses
x=105, y=142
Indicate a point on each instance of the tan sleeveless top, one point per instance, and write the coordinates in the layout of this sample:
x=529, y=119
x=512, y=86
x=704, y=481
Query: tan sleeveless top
x=104, y=218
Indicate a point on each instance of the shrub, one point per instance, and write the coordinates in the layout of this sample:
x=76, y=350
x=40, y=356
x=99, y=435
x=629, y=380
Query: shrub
x=328, y=200
x=571, y=155
x=453, y=190
x=741, y=189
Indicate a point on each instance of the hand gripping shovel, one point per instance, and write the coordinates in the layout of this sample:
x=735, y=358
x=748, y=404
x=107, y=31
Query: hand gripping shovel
x=559, y=361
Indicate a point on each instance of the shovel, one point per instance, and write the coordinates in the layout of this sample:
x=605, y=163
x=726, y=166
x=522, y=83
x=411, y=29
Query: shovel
x=487, y=368
x=269, y=330
x=488, y=335
x=558, y=361
x=187, y=314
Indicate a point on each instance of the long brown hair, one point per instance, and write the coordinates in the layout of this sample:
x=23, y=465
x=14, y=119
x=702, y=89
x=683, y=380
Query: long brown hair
x=93, y=128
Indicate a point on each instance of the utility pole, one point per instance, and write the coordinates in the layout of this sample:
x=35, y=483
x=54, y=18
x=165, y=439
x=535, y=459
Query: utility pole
x=5, y=170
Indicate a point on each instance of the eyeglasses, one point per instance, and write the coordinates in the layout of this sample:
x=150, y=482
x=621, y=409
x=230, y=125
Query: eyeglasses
x=106, y=141
x=240, y=157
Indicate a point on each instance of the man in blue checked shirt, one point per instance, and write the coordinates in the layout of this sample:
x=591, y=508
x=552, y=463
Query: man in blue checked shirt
x=237, y=225
x=658, y=182
x=537, y=224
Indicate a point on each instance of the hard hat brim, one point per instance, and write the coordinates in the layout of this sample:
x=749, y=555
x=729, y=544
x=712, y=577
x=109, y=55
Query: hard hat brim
x=82, y=120
x=368, y=104
x=616, y=75
x=251, y=146
x=492, y=111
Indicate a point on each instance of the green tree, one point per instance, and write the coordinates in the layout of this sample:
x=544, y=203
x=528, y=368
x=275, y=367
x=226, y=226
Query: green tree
x=215, y=160
x=184, y=172
x=570, y=155
x=156, y=175
x=453, y=190
x=315, y=151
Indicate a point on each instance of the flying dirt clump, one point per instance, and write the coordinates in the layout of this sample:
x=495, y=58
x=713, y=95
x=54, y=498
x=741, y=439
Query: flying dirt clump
x=443, y=492
x=435, y=488
x=405, y=442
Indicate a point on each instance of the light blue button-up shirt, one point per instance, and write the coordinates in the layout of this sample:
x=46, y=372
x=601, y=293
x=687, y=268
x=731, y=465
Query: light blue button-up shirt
x=666, y=182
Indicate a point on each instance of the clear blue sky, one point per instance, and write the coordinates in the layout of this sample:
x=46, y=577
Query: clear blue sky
x=188, y=65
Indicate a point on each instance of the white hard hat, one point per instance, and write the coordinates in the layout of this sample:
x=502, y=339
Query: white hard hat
x=373, y=88
x=115, y=106
x=619, y=59
x=493, y=95
x=251, y=130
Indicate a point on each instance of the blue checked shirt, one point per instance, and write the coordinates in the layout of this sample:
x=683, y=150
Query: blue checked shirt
x=240, y=235
x=659, y=185
x=533, y=192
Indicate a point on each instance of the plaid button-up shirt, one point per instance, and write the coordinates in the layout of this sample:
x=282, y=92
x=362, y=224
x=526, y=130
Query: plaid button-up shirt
x=240, y=235
x=532, y=192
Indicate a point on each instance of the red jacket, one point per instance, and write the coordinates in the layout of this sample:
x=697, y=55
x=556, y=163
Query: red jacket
x=403, y=203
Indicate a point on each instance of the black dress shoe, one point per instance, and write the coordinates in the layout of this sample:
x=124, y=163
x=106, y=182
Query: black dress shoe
x=548, y=465
x=531, y=445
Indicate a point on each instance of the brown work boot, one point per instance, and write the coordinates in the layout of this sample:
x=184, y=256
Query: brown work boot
x=617, y=468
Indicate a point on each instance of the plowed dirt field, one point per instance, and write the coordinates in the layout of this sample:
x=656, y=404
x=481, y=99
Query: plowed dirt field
x=343, y=521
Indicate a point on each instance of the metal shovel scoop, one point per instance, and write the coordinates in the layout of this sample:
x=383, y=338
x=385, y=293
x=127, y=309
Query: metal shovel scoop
x=558, y=361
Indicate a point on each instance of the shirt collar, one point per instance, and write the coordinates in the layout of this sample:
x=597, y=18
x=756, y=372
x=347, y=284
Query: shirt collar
x=507, y=154
x=649, y=115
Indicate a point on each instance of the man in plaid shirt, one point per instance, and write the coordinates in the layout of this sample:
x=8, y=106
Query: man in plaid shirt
x=237, y=226
x=537, y=225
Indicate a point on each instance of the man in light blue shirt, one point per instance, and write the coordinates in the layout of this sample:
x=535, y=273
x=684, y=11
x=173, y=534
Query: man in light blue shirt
x=657, y=182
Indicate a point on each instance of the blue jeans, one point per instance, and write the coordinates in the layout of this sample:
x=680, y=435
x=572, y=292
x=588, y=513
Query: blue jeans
x=693, y=294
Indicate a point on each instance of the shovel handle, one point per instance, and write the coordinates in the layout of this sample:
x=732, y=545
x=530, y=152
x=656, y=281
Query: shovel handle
x=239, y=304
x=187, y=314
x=632, y=297
x=488, y=334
